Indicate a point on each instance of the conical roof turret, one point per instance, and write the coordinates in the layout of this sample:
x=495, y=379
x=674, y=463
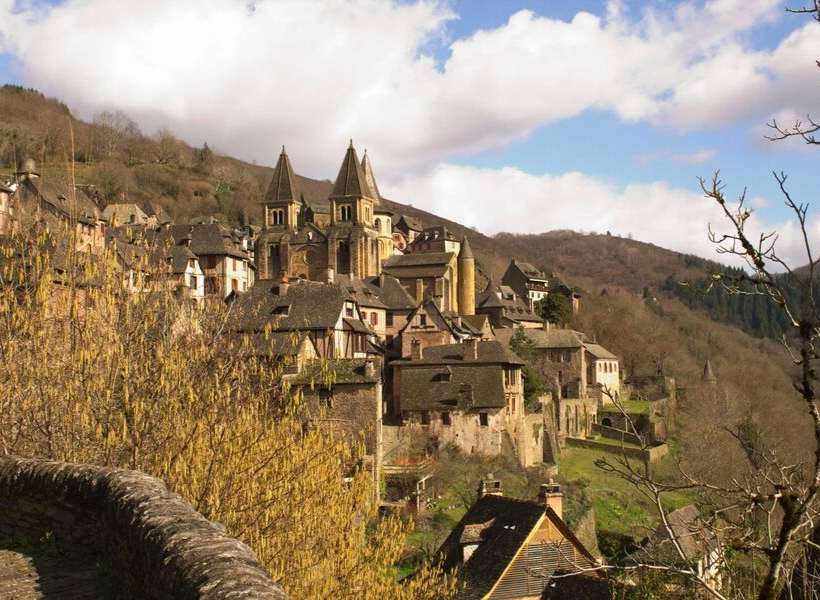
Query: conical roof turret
x=282, y=186
x=351, y=180
x=708, y=373
x=466, y=252
x=370, y=177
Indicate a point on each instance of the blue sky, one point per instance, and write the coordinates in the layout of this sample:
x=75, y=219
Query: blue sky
x=579, y=114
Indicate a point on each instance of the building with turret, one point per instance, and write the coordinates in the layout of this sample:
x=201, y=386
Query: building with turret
x=354, y=242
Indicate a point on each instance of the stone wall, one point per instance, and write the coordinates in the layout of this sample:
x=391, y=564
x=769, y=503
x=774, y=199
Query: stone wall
x=650, y=455
x=154, y=541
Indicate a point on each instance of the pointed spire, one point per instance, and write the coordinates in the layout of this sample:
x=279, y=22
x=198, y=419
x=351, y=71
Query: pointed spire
x=466, y=252
x=708, y=373
x=370, y=177
x=350, y=181
x=282, y=186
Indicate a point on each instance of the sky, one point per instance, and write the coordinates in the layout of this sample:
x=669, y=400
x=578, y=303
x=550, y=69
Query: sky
x=505, y=115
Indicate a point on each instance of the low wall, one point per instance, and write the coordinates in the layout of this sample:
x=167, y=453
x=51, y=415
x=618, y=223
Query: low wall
x=615, y=434
x=651, y=455
x=153, y=541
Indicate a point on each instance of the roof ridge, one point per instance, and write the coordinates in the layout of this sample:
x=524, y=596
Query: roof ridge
x=351, y=179
x=283, y=185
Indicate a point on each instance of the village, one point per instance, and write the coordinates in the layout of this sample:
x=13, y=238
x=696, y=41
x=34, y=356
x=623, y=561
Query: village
x=394, y=336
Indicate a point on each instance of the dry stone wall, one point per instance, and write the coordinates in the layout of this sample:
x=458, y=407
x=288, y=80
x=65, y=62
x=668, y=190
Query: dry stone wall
x=154, y=543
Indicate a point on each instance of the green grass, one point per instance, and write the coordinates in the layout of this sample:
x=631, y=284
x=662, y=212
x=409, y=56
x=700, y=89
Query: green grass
x=631, y=406
x=616, y=443
x=620, y=508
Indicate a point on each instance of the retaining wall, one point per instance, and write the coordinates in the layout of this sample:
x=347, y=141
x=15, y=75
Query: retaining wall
x=152, y=541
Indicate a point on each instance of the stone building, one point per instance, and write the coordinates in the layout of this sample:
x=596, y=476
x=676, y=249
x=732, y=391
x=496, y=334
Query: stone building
x=226, y=265
x=353, y=242
x=529, y=283
x=505, y=308
x=405, y=230
x=126, y=214
x=512, y=549
x=603, y=371
x=344, y=397
x=469, y=395
x=325, y=312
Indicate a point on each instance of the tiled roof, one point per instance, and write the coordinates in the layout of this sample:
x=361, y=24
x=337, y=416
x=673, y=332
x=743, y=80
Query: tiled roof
x=411, y=223
x=282, y=187
x=392, y=293
x=552, y=339
x=209, y=239
x=598, y=351
x=307, y=305
x=122, y=214
x=506, y=524
x=336, y=371
x=489, y=352
x=370, y=177
x=59, y=195
x=350, y=182
x=515, y=309
x=365, y=293
x=529, y=270
x=452, y=387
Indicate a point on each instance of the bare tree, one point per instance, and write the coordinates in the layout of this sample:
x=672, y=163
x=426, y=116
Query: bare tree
x=757, y=526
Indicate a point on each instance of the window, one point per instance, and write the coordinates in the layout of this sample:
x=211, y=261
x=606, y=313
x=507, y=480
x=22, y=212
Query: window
x=389, y=320
x=379, y=224
x=277, y=216
x=445, y=419
x=374, y=318
x=349, y=311
x=345, y=212
x=425, y=417
x=483, y=419
x=192, y=263
x=423, y=320
x=326, y=398
x=234, y=285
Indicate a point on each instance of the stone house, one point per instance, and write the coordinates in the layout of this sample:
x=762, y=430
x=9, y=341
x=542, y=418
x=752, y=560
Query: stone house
x=405, y=230
x=225, y=264
x=469, y=395
x=126, y=214
x=603, y=371
x=325, y=312
x=344, y=397
x=529, y=283
x=512, y=549
x=426, y=326
x=505, y=308
x=55, y=204
x=293, y=242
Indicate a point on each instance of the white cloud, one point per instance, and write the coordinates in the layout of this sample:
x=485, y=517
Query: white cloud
x=312, y=74
x=509, y=199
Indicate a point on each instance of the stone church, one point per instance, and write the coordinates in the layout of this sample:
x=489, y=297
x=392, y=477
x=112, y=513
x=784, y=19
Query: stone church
x=355, y=241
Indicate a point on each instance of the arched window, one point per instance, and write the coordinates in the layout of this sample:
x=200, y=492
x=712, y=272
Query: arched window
x=606, y=422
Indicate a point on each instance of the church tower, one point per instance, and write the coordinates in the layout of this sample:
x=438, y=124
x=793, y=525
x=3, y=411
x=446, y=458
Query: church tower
x=353, y=245
x=282, y=202
x=466, y=279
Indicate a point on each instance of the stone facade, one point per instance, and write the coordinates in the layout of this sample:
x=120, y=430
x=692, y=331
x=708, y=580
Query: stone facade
x=155, y=542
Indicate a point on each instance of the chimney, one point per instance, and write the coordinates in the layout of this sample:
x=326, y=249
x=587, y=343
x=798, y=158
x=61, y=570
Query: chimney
x=550, y=496
x=416, y=351
x=470, y=349
x=419, y=290
x=489, y=486
x=283, y=284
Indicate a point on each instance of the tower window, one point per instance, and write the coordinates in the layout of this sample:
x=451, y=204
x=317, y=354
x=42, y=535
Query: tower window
x=345, y=212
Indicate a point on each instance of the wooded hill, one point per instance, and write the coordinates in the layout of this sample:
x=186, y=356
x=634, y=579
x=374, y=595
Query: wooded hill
x=630, y=303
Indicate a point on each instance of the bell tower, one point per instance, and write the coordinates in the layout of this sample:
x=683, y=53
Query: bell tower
x=282, y=202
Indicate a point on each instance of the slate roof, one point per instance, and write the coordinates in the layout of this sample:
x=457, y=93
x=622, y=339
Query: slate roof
x=452, y=387
x=515, y=309
x=477, y=322
x=282, y=187
x=364, y=292
x=411, y=223
x=124, y=213
x=599, y=352
x=58, y=194
x=502, y=525
x=489, y=352
x=552, y=339
x=392, y=293
x=370, y=178
x=350, y=182
x=529, y=270
x=307, y=305
x=155, y=210
x=209, y=239
x=336, y=372
x=274, y=344
x=578, y=586
x=466, y=251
